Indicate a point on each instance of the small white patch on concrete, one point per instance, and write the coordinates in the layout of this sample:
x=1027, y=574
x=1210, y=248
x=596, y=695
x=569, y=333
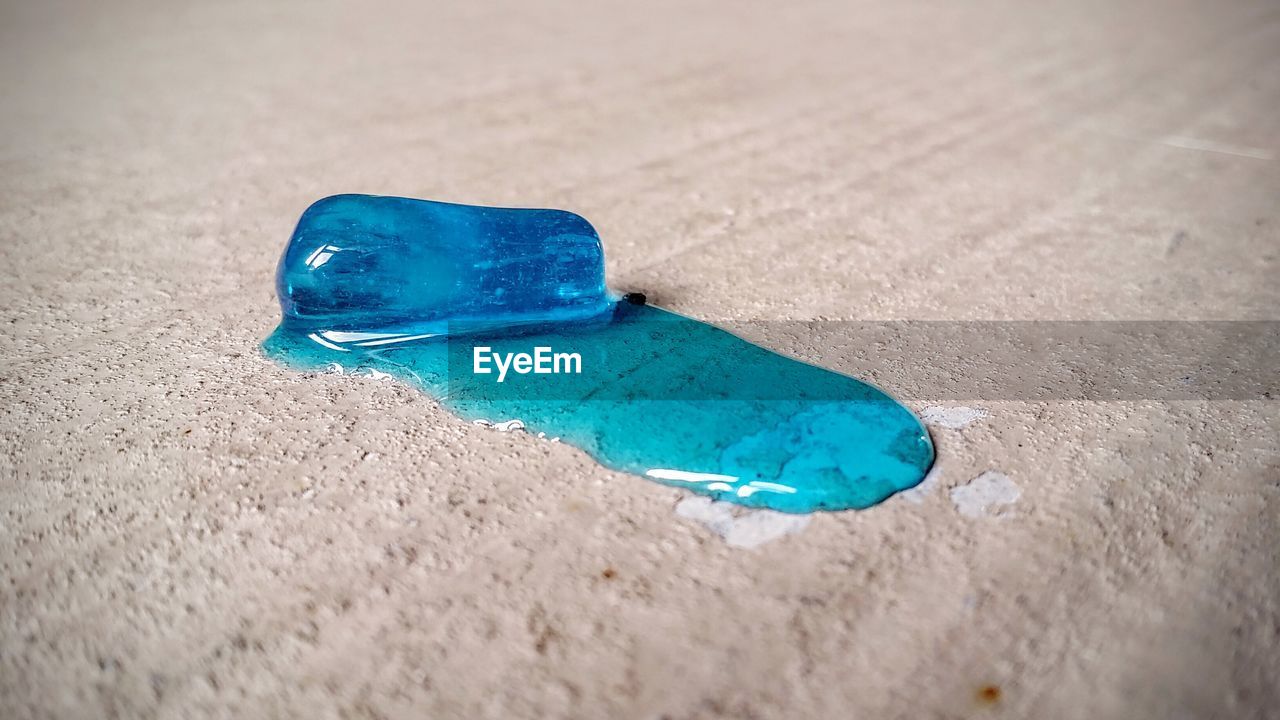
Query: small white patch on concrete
x=985, y=495
x=926, y=487
x=761, y=526
x=715, y=516
x=749, y=529
x=951, y=418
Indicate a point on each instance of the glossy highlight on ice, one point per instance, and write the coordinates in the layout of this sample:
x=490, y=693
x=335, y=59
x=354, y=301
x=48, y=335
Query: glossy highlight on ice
x=412, y=288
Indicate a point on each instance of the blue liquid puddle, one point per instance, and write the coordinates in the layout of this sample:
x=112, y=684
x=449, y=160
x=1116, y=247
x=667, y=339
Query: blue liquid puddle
x=413, y=288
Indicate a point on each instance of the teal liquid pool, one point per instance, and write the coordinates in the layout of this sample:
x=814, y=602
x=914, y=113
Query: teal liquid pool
x=430, y=293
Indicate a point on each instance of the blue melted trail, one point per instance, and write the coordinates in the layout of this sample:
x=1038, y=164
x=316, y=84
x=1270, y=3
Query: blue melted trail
x=413, y=288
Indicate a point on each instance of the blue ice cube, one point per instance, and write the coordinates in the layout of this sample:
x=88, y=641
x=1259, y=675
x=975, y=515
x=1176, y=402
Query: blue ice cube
x=396, y=266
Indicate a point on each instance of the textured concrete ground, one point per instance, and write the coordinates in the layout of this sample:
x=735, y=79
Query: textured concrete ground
x=187, y=530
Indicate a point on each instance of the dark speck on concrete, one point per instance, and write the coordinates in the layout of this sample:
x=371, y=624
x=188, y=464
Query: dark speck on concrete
x=1175, y=242
x=989, y=694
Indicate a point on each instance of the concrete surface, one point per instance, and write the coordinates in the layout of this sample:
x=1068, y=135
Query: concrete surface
x=189, y=531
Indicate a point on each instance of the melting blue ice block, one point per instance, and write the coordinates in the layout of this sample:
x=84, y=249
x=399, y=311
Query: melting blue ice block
x=438, y=295
x=361, y=263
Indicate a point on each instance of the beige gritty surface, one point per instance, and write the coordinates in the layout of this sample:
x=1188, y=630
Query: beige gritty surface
x=187, y=530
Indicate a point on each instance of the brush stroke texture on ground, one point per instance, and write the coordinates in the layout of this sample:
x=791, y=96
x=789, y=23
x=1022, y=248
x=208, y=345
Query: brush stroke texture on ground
x=187, y=530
